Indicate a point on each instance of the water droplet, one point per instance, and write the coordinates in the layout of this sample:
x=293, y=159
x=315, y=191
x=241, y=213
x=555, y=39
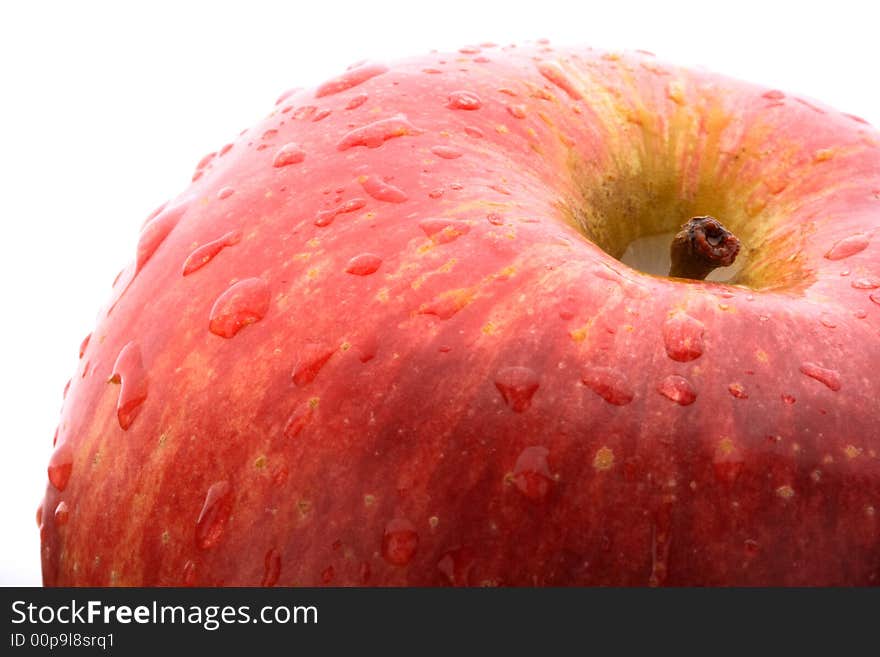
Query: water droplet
x=298, y=420
x=869, y=282
x=225, y=192
x=738, y=390
x=495, y=219
x=875, y=298
x=214, y=515
x=381, y=190
x=84, y=345
x=223, y=151
x=62, y=514
x=848, y=246
x=683, y=337
x=456, y=564
x=288, y=154
x=442, y=230
x=446, y=152
x=287, y=94
x=272, y=568
x=610, y=384
x=474, y=132
x=269, y=134
x=399, y=542
x=367, y=348
x=678, y=389
x=517, y=111
x=531, y=473
x=830, y=378
x=356, y=101
x=205, y=161
x=447, y=304
x=773, y=94
x=129, y=371
x=304, y=113
x=311, y=359
x=189, y=573
x=321, y=114
x=727, y=461
x=244, y=303
x=827, y=321
x=60, y=466
x=558, y=77
x=517, y=386
x=464, y=100
x=860, y=313
x=351, y=78
x=325, y=217
x=155, y=232
x=378, y=132
x=788, y=399
x=205, y=253
x=751, y=547
x=363, y=264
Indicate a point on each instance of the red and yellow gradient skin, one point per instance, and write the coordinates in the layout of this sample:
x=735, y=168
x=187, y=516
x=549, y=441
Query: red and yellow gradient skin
x=399, y=356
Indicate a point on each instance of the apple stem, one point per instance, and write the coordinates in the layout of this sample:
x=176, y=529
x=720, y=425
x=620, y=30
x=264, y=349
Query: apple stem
x=702, y=245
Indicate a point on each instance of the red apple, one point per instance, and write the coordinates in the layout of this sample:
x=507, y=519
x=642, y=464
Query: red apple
x=385, y=338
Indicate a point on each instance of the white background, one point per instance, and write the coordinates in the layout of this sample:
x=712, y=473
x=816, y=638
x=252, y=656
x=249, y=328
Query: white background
x=106, y=108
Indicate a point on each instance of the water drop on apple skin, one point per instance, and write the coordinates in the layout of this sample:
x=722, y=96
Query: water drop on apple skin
x=531, y=473
x=244, y=303
x=62, y=513
x=847, y=247
x=214, y=515
x=382, y=190
x=555, y=75
x=356, y=101
x=272, y=568
x=399, y=542
x=298, y=420
x=517, y=386
x=207, y=252
x=683, y=337
x=442, y=230
x=455, y=565
x=189, y=573
x=130, y=374
x=446, y=152
x=677, y=389
x=610, y=384
x=374, y=134
x=363, y=264
x=350, y=79
x=60, y=467
x=310, y=360
x=830, y=378
x=155, y=232
x=870, y=282
x=325, y=217
x=287, y=155
x=464, y=100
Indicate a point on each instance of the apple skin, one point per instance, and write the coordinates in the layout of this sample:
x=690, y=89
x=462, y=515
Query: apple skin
x=396, y=359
